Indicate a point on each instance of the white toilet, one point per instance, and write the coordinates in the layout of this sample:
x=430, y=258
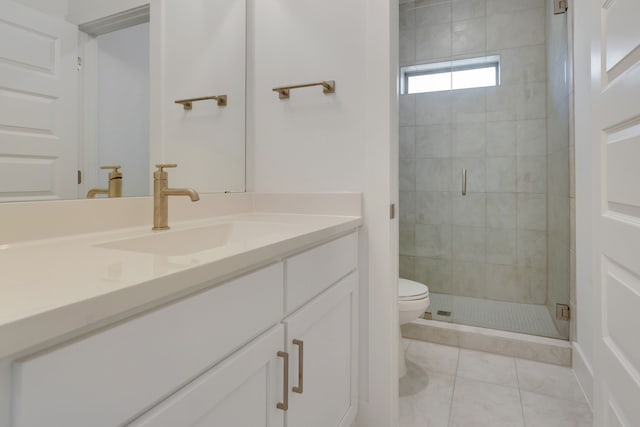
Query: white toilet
x=413, y=300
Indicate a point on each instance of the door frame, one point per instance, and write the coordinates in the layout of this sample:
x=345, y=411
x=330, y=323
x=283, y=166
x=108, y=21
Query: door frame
x=586, y=158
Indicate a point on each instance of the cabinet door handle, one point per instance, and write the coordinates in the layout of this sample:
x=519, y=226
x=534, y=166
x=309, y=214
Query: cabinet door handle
x=300, y=386
x=284, y=405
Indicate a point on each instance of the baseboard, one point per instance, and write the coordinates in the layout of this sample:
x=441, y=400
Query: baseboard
x=539, y=349
x=583, y=371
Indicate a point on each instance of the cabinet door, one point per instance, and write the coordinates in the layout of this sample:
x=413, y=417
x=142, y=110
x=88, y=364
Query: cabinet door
x=327, y=331
x=242, y=391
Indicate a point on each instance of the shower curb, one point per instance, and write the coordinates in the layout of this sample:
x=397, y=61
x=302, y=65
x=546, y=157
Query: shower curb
x=512, y=344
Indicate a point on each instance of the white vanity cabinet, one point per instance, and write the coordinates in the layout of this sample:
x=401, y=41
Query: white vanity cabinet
x=216, y=358
x=110, y=377
x=247, y=388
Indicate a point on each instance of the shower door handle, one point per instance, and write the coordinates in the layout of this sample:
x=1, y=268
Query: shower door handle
x=464, y=181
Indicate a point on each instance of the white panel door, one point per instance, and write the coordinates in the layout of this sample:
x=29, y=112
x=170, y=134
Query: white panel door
x=326, y=329
x=616, y=92
x=38, y=105
x=243, y=391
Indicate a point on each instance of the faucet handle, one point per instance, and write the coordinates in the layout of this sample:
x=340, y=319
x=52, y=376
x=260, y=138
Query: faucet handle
x=115, y=173
x=165, y=165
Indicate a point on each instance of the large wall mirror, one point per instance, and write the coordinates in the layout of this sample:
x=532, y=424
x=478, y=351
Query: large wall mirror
x=90, y=84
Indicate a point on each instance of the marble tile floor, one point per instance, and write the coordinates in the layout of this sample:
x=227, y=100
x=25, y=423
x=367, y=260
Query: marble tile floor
x=450, y=387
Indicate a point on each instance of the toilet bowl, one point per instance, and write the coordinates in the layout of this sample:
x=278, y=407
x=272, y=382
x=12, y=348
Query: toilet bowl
x=413, y=300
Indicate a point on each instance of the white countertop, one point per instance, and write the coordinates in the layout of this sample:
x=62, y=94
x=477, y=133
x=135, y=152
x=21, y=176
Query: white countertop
x=57, y=288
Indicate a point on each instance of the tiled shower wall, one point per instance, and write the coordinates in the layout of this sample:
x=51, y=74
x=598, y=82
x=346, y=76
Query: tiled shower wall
x=491, y=243
x=558, y=160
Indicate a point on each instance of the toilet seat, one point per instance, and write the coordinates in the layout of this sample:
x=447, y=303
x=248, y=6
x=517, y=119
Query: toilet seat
x=408, y=290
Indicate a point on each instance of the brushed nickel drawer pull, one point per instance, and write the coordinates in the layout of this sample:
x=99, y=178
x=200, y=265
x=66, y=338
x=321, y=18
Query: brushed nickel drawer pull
x=300, y=386
x=285, y=386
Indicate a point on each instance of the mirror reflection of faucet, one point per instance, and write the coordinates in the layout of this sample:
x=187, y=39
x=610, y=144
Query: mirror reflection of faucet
x=115, y=184
x=161, y=193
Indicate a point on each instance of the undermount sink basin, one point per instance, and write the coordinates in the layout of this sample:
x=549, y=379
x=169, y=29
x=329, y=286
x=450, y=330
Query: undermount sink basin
x=185, y=242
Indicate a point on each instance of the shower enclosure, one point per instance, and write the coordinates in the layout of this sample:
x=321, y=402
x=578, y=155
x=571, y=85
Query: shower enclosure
x=485, y=194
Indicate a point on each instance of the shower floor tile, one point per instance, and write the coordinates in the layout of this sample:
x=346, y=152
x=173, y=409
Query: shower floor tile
x=531, y=319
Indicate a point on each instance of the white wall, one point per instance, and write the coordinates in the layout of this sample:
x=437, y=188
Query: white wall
x=123, y=106
x=51, y=7
x=346, y=141
x=312, y=141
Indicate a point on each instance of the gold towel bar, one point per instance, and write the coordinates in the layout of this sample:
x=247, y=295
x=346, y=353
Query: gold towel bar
x=328, y=86
x=188, y=103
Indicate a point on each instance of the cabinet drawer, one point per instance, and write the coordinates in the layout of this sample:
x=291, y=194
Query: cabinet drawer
x=110, y=377
x=313, y=271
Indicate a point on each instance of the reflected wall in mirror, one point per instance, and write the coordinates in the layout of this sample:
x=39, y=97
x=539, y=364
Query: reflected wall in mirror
x=90, y=83
x=114, y=83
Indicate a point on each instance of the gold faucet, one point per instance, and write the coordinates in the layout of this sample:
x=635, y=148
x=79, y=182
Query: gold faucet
x=115, y=184
x=161, y=193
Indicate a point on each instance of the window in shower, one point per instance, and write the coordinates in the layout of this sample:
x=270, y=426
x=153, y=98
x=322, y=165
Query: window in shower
x=451, y=75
